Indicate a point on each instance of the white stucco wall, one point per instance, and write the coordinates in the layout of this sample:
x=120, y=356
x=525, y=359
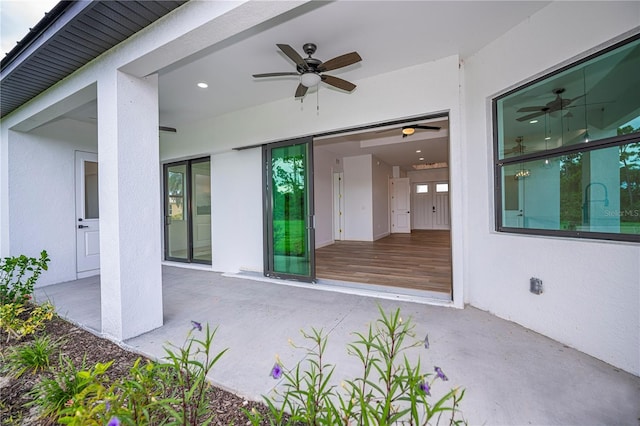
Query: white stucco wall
x=236, y=211
x=592, y=288
x=42, y=192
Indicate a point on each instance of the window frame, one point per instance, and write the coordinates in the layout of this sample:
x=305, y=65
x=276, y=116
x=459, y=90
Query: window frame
x=595, y=145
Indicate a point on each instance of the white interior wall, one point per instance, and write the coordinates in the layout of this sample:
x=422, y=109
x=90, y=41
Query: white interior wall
x=358, y=198
x=324, y=164
x=42, y=192
x=428, y=175
x=380, y=172
x=591, y=299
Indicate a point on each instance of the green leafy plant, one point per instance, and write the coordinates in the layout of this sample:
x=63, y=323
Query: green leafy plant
x=171, y=393
x=18, y=276
x=33, y=356
x=191, y=363
x=132, y=400
x=389, y=390
x=18, y=320
x=53, y=393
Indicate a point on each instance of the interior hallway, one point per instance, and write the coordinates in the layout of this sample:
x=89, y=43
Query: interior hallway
x=420, y=260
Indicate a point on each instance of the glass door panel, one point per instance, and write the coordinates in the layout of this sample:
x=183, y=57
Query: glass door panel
x=188, y=211
x=177, y=243
x=201, y=212
x=289, y=229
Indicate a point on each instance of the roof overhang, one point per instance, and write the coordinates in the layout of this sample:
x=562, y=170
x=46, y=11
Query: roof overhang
x=71, y=35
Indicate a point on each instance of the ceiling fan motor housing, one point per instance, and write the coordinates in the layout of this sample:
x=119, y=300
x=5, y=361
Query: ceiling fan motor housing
x=309, y=48
x=312, y=65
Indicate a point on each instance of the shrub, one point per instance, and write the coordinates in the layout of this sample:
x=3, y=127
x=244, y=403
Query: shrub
x=18, y=276
x=19, y=320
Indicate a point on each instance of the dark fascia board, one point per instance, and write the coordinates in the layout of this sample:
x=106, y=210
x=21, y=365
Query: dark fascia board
x=42, y=32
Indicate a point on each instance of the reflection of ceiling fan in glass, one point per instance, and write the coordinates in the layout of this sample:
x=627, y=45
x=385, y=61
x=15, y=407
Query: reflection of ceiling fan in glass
x=519, y=148
x=559, y=103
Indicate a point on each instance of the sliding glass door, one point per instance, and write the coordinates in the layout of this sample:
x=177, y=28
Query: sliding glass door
x=188, y=211
x=288, y=204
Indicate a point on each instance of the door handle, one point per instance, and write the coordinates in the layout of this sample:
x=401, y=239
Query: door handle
x=82, y=226
x=433, y=209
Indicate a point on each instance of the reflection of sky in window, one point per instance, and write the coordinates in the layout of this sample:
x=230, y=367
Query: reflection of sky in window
x=635, y=123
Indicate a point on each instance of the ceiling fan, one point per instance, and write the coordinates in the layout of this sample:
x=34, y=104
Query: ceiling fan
x=518, y=148
x=409, y=130
x=559, y=103
x=310, y=70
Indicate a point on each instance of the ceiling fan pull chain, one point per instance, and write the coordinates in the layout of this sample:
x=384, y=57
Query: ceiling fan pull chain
x=318, y=100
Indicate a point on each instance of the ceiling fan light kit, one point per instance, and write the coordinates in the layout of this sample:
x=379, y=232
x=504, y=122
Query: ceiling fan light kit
x=410, y=130
x=310, y=79
x=311, y=70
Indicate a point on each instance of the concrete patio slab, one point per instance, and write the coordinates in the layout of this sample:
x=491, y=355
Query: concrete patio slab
x=512, y=375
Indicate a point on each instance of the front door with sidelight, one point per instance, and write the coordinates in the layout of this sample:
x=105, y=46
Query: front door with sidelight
x=87, y=215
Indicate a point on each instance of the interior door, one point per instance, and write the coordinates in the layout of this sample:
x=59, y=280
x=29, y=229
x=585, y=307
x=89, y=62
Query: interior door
x=87, y=215
x=400, y=205
x=288, y=210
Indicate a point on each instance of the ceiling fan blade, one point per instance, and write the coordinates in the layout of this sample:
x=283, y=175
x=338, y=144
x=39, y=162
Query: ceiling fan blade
x=293, y=55
x=301, y=90
x=341, y=61
x=275, y=74
x=338, y=82
x=531, y=108
x=534, y=115
x=427, y=127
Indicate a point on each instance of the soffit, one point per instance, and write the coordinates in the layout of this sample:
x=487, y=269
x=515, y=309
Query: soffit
x=86, y=30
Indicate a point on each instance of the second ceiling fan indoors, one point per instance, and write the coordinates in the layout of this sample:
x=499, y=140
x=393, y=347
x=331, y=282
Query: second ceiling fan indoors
x=311, y=70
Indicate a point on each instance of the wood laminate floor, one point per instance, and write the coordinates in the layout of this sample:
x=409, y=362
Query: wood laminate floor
x=420, y=260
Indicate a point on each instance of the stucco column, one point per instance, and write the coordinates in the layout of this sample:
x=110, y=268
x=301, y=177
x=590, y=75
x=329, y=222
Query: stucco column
x=130, y=227
x=4, y=190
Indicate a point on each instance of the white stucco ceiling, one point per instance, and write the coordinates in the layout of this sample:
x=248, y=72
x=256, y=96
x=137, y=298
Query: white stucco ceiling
x=388, y=35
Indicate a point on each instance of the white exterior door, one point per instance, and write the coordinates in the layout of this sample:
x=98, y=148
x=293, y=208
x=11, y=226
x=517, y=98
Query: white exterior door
x=87, y=215
x=422, y=205
x=440, y=208
x=431, y=205
x=400, y=205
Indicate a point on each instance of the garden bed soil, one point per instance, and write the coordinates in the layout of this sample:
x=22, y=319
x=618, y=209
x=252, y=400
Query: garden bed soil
x=78, y=343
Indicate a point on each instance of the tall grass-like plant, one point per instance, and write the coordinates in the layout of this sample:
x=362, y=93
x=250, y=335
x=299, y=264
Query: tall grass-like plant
x=33, y=356
x=191, y=363
x=18, y=276
x=389, y=389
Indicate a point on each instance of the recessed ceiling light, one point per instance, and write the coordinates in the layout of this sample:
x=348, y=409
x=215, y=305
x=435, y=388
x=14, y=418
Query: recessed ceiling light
x=421, y=158
x=203, y=85
x=418, y=150
x=533, y=121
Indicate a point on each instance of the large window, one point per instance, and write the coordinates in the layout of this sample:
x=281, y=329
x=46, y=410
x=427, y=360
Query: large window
x=567, y=150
